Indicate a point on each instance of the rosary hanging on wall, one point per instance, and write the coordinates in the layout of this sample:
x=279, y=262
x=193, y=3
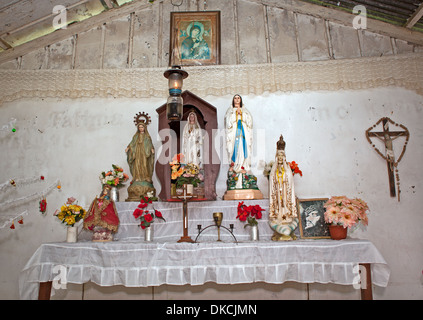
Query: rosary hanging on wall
x=387, y=137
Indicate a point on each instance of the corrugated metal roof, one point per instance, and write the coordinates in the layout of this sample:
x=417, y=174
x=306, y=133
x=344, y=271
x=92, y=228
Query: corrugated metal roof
x=396, y=12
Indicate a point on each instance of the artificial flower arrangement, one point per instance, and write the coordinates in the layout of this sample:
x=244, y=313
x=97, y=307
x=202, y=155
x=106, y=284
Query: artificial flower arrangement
x=70, y=213
x=146, y=217
x=249, y=213
x=293, y=165
x=185, y=173
x=43, y=205
x=115, y=177
x=346, y=212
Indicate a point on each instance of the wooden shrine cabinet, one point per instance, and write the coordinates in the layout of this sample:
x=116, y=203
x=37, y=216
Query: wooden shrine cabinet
x=207, y=118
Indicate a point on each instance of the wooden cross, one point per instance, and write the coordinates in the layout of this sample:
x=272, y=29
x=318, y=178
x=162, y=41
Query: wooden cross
x=387, y=137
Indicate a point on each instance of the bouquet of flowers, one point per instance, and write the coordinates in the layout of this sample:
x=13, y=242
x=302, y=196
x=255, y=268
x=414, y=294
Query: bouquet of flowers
x=70, y=213
x=346, y=212
x=249, y=213
x=185, y=173
x=115, y=177
x=146, y=217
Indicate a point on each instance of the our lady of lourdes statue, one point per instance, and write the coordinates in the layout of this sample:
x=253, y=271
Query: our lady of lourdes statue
x=192, y=141
x=283, y=217
x=241, y=183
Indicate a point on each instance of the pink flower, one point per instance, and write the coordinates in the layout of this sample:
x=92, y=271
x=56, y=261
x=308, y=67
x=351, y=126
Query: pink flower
x=332, y=215
x=71, y=200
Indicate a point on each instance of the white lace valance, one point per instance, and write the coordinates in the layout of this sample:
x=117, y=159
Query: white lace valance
x=404, y=71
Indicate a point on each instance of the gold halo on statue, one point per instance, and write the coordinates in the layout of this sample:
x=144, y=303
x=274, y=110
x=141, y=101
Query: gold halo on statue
x=138, y=120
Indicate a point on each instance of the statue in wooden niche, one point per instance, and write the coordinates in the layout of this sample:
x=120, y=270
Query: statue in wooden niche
x=283, y=217
x=192, y=141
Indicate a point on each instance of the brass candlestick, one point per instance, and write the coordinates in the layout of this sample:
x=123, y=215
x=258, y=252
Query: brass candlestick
x=217, y=217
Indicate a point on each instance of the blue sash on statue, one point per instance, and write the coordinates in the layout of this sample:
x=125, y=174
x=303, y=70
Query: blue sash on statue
x=239, y=135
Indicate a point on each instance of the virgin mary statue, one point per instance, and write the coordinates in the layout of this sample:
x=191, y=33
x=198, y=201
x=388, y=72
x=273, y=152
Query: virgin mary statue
x=283, y=217
x=239, y=135
x=239, y=141
x=192, y=141
x=140, y=156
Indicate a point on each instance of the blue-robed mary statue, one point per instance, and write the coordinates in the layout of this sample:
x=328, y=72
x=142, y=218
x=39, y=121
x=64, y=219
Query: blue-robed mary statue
x=239, y=128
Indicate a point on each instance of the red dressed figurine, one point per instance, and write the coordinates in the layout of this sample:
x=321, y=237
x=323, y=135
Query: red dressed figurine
x=102, y=217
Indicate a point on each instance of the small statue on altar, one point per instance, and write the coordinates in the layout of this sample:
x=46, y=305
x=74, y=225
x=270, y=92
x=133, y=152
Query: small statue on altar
x=140, y=157
x=102, y=217
x=239, y=140
x=283, y=217
x=192, y=141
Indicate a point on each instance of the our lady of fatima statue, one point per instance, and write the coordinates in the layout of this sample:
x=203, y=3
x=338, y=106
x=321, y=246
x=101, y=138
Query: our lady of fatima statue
x=283, y=217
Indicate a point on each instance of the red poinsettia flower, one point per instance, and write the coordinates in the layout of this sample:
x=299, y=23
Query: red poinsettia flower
x=256, y=211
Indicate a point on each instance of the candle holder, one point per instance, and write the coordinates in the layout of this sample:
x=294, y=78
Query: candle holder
x=217, y=217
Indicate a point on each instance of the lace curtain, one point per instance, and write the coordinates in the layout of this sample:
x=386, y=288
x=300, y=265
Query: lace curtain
x=404, y=71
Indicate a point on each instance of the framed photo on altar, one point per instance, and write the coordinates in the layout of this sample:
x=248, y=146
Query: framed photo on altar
x=194, y=38
x=312, y=218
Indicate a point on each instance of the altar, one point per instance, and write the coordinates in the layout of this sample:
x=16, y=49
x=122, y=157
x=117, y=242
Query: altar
x=131, y=262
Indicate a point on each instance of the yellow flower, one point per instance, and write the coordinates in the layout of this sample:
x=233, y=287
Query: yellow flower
x=61, y=215
x=70, y=220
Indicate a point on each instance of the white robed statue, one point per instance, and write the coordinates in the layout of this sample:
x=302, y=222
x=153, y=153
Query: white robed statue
x=283, y=217
x=239, y=136
x=192, y=141
x=241, y=183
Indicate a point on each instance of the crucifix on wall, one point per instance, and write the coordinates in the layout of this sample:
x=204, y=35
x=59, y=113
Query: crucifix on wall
x=387, y=137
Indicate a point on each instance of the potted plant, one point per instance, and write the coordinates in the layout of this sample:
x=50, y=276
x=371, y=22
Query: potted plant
x=342, y=213
x=146, y=216
x=114, y=178
x=69, y=214
x=250, y=214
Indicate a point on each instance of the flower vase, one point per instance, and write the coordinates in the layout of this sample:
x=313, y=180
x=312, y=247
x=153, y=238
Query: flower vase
x=114, y=194
x=72, y=234
x=148, y=234
x=254, y=235
x=337, y=232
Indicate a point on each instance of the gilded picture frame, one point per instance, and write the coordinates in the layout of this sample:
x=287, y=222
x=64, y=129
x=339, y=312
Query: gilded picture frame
x=312, y=219
x=194, y=38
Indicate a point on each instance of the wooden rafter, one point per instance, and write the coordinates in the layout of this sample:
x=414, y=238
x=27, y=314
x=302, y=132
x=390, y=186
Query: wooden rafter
x=72, y=29
x=415, y=17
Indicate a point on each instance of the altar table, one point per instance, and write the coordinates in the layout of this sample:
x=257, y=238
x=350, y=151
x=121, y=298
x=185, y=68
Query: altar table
x=131, y=262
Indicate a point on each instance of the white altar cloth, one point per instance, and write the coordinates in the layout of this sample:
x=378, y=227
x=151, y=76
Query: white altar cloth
x=131, y=262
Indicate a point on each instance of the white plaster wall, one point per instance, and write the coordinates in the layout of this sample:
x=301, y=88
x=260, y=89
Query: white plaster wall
x=74, y=140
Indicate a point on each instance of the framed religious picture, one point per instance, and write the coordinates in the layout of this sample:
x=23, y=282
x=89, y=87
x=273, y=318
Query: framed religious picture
x=312, y=218
x=194, y=38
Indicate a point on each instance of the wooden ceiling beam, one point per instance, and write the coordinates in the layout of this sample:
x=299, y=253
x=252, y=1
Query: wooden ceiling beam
x=72, y=29
x=345, y=18
x=415, y=17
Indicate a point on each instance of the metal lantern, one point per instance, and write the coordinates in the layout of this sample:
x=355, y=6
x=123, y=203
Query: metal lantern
x=174, y=105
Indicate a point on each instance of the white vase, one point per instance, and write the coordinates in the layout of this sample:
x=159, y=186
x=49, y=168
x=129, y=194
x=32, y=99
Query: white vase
x=254, y=233
x=148, y=234
x=72, y=234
